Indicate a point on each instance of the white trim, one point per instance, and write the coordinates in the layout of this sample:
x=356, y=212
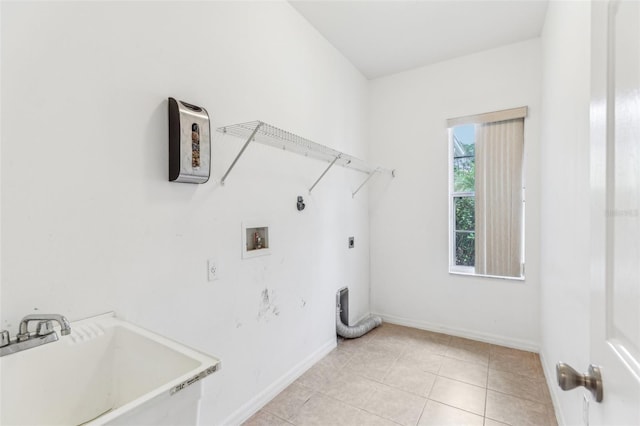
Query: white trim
x=452, y=243
x=472, y=273
x=252, y=406
x=553, y=390
x=452, y=212
x=461, y=269
x=461, y=332
x=489, y=117
x=363, y=317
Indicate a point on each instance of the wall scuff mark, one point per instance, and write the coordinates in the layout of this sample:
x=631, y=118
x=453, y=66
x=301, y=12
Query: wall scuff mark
x=268, y=308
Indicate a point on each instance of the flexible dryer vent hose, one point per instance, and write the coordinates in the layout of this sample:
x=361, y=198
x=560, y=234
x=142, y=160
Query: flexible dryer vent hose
x=360, y=329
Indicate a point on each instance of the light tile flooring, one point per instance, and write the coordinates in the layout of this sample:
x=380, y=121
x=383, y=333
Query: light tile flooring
x=403, y=376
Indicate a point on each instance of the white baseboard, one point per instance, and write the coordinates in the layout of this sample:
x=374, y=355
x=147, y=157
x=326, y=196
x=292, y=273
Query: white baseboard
x=553, y=390
x=459, y=332
x=362, y=318
x=256, y=403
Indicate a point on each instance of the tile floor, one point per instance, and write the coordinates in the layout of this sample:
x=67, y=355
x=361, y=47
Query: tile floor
x=403, y=376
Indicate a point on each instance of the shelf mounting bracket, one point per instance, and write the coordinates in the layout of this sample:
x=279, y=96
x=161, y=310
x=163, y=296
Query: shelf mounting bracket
x=324, y=173
x=373, y=172
x=253, y=134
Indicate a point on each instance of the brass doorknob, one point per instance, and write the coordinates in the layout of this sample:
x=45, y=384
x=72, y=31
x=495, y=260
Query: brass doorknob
x=569, y=378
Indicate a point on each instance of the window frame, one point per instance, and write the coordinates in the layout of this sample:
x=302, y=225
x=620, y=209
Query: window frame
x=495, y=116
x=453, y=268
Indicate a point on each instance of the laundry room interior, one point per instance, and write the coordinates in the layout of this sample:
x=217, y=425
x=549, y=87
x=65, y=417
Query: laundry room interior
x=213, y=176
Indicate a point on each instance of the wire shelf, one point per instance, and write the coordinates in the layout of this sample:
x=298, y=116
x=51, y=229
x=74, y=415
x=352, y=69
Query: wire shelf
x=266, y=134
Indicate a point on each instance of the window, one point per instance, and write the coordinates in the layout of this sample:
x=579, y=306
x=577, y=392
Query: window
x=464, y=195
x=486, y=193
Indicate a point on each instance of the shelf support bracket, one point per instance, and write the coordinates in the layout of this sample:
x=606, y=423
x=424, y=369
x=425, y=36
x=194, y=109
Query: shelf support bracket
x=365, y=182
x=253, y=134
x=324, y=173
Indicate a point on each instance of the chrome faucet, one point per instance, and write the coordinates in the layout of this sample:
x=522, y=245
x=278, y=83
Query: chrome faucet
x=23, y=332
x=44, y=333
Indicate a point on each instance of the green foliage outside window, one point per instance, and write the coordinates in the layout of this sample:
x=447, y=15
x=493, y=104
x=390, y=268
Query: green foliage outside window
x=464, y=178
x=464, y=172
x=465, y=235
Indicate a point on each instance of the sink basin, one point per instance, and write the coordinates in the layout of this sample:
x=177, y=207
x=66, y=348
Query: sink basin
x=107, y=371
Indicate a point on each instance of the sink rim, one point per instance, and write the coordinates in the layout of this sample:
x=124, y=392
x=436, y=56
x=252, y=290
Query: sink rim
x=207, y=363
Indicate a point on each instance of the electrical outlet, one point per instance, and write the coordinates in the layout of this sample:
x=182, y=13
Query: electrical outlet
x=213, y=269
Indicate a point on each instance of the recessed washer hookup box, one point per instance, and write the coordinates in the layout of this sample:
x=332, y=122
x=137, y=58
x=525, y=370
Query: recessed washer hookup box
x=189, y=143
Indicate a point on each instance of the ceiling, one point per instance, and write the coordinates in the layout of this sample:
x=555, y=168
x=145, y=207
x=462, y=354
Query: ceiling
x=382, y=37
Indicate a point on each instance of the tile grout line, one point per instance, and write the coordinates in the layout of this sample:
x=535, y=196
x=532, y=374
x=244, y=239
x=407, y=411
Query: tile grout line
x=382, y=383
x=377, y=343
x=457, y=408
x=358, y=408
x=486, y=390
x=424, y=407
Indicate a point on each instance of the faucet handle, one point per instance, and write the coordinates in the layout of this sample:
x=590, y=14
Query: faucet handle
x=5, y=339
x=44, y=328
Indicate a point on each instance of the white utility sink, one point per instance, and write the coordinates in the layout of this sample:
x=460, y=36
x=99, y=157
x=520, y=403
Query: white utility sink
x=106, y=371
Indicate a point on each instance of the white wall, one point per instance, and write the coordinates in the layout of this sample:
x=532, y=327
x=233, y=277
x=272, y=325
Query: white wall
x=91, y=224
x=409, y=217
x=565, y=204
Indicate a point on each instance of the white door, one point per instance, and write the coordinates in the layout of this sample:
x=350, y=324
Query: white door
x=615, y=188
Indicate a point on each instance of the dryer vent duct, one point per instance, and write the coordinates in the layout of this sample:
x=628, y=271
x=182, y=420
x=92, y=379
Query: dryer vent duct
x=342, y=318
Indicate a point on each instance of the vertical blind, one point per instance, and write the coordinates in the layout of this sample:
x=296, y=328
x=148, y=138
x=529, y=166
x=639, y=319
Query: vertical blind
x=499, y=159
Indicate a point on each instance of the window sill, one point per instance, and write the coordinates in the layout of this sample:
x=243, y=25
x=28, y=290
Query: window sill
x=473, y=274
